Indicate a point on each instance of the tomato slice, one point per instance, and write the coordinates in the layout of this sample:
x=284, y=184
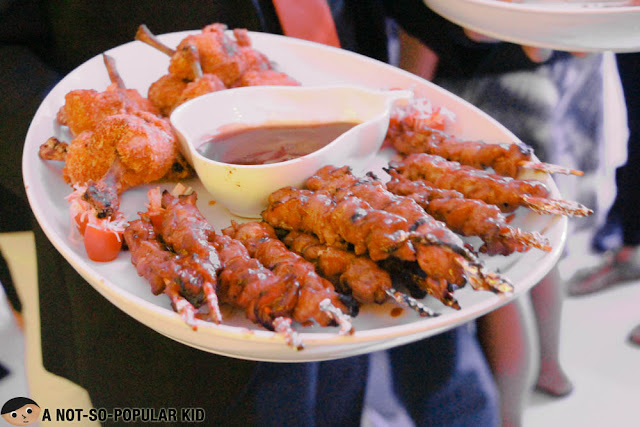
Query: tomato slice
x=102, y=244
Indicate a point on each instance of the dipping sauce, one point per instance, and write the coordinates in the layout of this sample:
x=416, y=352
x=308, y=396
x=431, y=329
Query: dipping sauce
x=271, y=143
x=396, y=311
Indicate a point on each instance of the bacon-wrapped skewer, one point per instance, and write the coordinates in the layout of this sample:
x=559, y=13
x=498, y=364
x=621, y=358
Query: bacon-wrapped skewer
x=431, y=239
x=241, y=280
x=178, y=276
x=509, y=159
x=468, y=217
x=352, y=274
x=185, y=231
x=506, y=193
x=262, y=243
x=246, y=284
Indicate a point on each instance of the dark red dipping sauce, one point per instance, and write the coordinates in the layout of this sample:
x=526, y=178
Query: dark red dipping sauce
x=272, y=143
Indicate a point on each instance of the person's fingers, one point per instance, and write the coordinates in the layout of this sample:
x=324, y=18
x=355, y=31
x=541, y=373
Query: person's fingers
x=580, y=54
x=477, y=37
x=537, y=54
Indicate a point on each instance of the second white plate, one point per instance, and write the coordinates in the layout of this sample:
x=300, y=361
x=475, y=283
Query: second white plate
x=578, y=27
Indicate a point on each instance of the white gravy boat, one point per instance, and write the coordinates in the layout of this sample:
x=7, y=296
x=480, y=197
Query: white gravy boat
x=244, y=189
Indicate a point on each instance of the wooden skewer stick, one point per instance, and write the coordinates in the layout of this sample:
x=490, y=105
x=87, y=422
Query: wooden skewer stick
x=181, y=305
x=530, y=238
x=282, y=326
x=406, y=301
x=212, y=303
x=550, y=168
x=344, y=320
x=543, y=206
x=489, y=281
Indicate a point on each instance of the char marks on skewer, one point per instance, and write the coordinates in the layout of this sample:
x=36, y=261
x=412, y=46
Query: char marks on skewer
x=413, y=278
x=339, y=224
x=182, y=225
x=351, y=274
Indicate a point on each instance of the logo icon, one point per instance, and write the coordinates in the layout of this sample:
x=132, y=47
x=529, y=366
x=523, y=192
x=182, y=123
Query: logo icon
x=20, y=411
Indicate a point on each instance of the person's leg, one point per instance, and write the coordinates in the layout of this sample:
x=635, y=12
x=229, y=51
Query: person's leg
x=618, y=266
x=608, y=236
x=628, y=176
x=546, y=298
x=507, y=336
x=623, y=263
x=3, y=266
x=634, y=336
x=3, y=372
x=445, y=381
x=327, y=393
x=6, y=282
x=340, y=391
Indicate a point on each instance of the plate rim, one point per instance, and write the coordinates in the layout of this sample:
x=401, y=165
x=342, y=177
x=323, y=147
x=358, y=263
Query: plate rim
x=568, y=8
